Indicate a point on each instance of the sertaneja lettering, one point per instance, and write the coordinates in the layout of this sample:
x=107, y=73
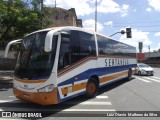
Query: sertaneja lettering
x=115, y=62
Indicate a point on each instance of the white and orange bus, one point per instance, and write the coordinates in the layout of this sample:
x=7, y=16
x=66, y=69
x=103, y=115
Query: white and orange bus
x=57, y=64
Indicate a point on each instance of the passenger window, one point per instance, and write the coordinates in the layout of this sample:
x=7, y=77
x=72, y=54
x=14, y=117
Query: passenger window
x=65, y=52
x=74, y=47
x=87, y=43
x=83, y=45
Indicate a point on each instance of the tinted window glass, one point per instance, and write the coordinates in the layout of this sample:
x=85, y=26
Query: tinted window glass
x=33, y=62
x=106, y=46
x=83, y=45
x=65, y=52
x=76, y=46
x=87, y=43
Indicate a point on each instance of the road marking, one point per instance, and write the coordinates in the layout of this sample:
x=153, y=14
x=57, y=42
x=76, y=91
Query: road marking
x=12, y=96
x=4, y=101
x=76, y=102
x=156, y=77
x=101, y=97
x=89, y=103
x=57, y=110
x=92, y=110
x=142, y=79
x=10, y=101
x=6, y=77
x=151, y=79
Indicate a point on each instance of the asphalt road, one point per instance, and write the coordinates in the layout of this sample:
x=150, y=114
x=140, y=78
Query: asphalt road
x=139, y=94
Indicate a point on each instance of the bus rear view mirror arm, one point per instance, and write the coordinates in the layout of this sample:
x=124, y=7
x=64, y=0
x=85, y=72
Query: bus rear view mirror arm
x=48, y=41
x=9, y=44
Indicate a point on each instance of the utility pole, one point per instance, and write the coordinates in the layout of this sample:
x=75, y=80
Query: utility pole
x=149, y=53
x=96, y=16
x=41, y=13
x=55, y=4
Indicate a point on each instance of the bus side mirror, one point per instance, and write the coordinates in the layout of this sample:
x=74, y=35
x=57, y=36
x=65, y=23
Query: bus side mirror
x=9, y=44
x=48, y=41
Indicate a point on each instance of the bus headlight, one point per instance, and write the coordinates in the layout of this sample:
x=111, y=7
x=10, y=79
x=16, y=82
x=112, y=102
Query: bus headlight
x=47, y=88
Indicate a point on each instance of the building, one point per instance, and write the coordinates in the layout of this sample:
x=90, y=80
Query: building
x=62, y=17
x=152, y=58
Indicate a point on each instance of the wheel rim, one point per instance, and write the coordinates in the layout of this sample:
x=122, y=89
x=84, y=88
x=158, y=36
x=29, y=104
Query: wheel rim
x=91, y=88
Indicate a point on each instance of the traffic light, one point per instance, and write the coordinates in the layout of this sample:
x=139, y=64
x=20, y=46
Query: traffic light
x=128, y=32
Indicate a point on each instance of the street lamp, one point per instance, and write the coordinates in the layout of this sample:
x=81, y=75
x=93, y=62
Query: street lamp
x=128, y=33
x=122, y=32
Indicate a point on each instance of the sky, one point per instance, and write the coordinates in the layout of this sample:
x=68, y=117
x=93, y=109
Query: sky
x=143, y=16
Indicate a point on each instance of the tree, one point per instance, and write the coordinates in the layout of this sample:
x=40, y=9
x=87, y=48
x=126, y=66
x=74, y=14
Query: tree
x=18, y=18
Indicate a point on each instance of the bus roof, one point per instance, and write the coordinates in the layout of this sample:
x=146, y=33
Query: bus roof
x=76, y=28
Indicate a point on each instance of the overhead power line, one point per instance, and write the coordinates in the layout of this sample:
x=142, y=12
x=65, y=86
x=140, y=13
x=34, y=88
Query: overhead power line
x=133, y=25
x=137, y=22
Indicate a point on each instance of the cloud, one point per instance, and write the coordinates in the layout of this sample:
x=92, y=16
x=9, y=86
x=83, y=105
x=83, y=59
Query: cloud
x=108, y=7
x=148, y=9
x=86, y=7
x=124, y=10
x=137, y=36
x=90, y=24
x=109, y=23
x=82, y=7
x=157, y=34
x=112, y=7
x=155, y=4
x=134, y=10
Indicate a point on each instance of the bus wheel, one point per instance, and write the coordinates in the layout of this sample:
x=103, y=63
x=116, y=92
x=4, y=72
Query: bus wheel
x=129, y=74
x=92, y=88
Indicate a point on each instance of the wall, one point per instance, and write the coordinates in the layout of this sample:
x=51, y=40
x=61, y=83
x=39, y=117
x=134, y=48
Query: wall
x=7, y=63
x=11, y=54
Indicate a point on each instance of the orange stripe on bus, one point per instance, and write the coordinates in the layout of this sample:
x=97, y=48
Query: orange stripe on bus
x=111, y=77
x=40, y=98
x=72, y=67
x=75, y=88
x=79, y=87
x=112, y=56
x=28, y=81
x=64, y=90
x=76, y=63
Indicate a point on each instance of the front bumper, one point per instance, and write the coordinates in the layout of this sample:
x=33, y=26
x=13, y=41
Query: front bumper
x=35, y=97
x=147, y=72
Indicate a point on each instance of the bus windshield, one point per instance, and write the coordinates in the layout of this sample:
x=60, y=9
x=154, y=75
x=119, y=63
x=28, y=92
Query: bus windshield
x=33, y=62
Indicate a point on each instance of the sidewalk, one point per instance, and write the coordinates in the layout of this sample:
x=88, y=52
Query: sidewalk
x=6, y=77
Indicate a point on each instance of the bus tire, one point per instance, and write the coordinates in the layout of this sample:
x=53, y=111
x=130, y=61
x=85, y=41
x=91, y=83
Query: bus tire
x=129, y=77
x=92, y=87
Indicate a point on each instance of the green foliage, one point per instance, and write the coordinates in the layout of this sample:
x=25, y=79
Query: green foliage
x=18, y=18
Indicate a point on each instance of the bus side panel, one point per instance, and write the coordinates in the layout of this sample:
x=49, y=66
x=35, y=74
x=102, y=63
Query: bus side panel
x=72, y=80
x=111, y=69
